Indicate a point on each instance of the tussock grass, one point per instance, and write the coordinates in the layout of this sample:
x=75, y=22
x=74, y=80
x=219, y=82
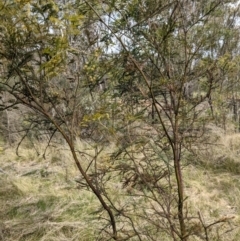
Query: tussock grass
x=224, y=155
x=40, y=200
x=213, y=185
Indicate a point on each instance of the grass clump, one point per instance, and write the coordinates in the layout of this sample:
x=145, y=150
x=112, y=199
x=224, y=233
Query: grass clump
x=36, y=207
x=41, y=201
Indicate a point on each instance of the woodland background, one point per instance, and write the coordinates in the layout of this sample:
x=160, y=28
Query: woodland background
x=119, y=120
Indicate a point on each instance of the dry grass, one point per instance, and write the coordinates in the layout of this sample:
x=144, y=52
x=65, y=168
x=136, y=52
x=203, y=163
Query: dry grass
x=213, y=186
x=40, y=200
